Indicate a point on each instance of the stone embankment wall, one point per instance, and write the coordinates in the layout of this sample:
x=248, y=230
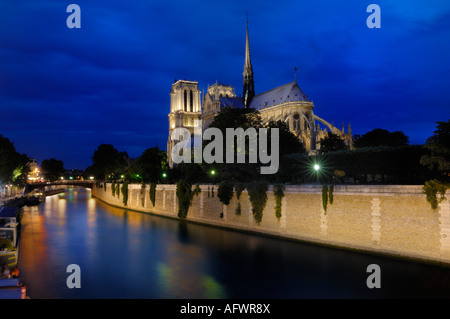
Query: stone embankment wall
x=392, y=220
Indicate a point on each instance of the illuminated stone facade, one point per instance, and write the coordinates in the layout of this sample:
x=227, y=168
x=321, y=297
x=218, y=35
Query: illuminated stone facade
x=287, y=103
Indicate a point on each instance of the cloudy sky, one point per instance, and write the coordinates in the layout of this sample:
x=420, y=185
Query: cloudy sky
x=65, y=91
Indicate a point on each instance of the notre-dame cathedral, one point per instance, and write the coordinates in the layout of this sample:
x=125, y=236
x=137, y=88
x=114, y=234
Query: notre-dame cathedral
x=287, y=103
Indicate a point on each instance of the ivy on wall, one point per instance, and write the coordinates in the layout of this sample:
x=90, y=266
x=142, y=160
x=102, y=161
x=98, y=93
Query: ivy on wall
x=184, y=195
x=125, y=193
x=113, y=189
x=143, y=194
x=278, y=192
x=239, y=188
x=225, y=192
x=330, y=194
x=257, y=192
x=327, y=196
x=431, y=189
x=197, y=190
x=153, y=193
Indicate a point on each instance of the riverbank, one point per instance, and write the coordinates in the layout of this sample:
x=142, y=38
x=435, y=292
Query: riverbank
x=392, y=220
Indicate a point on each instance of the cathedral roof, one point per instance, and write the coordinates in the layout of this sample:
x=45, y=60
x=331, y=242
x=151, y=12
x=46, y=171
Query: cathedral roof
x=289, y=92
x=236, y=102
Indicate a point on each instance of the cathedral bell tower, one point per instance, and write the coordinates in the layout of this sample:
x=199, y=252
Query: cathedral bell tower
x=185, y=109
x=249, y=85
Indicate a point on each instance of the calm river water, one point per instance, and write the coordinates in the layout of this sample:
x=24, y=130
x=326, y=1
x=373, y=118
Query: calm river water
x=124, y=254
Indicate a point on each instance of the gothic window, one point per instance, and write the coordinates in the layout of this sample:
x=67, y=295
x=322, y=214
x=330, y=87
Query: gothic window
x=185, y=100
x=191, y=102
x=296, y=123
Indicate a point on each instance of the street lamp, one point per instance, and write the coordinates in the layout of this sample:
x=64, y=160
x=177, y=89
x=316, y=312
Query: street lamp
x=316, y=169
x=213, y=172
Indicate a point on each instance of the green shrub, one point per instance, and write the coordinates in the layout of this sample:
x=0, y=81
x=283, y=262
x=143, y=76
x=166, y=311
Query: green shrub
x=113, y=189
x=225, y=192
x=257, y=192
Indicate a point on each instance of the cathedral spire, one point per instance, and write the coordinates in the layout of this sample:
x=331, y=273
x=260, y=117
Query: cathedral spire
x=249, y=86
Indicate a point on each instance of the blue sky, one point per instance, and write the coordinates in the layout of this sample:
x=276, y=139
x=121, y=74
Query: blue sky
x=65, y=91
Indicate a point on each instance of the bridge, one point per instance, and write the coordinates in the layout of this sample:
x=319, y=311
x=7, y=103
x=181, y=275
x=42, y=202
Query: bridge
x=86, y=184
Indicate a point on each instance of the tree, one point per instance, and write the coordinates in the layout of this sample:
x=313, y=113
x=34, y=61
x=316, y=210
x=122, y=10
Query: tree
x=331, y=143
x=381, y=137
x=52, y=169
x=150, y=165
x=288, y=142
x=108, y=161
x=439, y=146
x=230, y=117
x=13, y=166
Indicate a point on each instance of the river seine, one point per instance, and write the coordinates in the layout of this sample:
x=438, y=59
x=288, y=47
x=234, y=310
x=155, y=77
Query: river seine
x=126, y=254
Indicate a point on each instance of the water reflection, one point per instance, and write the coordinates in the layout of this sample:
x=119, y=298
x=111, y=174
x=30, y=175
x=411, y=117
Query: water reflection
x=125, y=254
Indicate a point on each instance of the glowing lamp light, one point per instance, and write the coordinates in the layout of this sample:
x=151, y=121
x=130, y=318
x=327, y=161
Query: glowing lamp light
x=316, y=167
x=92, y=177
x=164, y=175
x=213, y=172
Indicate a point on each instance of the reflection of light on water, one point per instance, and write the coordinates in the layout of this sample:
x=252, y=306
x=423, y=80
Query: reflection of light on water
x=183, y=281
x=49, y=200
x=213, y=289
x=33, y=210
x=62, y=207
x=91, y=211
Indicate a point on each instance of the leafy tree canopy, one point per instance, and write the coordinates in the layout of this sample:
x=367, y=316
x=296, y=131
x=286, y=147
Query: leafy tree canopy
x=331, y=143
x=13, y=166
x=439, y=146
x=108, y=161
x=381, y=137
x=52, y=169
x=150, y=165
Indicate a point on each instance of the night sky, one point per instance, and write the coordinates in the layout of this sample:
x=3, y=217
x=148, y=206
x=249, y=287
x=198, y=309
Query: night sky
x=65, y=91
